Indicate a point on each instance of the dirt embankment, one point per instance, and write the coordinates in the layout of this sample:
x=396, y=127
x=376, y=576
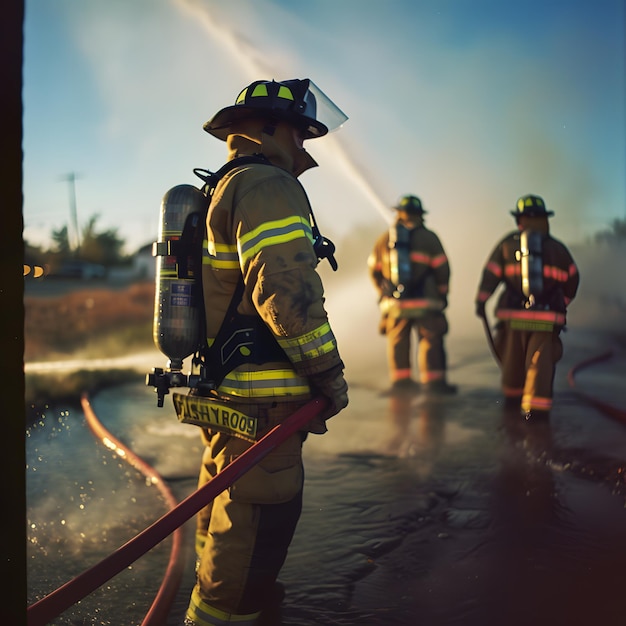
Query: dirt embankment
x=87, y=319
x=77, y=320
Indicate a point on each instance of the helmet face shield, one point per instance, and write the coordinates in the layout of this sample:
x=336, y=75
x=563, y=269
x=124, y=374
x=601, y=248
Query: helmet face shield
x=321, y=108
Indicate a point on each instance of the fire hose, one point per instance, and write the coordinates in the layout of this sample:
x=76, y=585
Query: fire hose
x=52, y=605
x=173, y=575
x=489, y=336
x=607, y=409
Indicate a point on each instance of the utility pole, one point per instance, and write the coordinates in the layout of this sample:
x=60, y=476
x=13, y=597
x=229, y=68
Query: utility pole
x=71, y=178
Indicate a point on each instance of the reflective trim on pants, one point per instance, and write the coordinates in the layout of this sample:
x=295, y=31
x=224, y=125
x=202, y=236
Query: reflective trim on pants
x=431, y=355
x=528, y=365
x=203, y=614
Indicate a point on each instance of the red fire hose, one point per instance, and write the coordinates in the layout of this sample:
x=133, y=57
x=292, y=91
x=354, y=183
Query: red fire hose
x=173, y=575
x=52, y=605
x=607, y=409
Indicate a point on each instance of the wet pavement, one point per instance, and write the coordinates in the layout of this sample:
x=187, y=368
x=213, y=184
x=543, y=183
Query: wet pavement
x=417, y=510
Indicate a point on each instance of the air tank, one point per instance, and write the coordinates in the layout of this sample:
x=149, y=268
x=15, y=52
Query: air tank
x=532, y=265
x=178, y=298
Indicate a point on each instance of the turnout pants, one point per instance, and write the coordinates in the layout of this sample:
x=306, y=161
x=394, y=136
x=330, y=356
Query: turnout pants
x=528, y=360
x=242, y=537
x=431, y=356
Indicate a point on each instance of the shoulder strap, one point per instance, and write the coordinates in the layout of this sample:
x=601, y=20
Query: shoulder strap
x=189, y=247
x=241, y=338
x=212, y=178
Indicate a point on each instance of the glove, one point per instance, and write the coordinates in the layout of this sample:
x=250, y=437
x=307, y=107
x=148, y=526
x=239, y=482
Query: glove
x=480, y=309
x=333, y=386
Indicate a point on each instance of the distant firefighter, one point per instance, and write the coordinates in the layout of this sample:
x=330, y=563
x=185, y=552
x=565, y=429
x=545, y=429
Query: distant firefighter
x=540, y=280
x=411, y=274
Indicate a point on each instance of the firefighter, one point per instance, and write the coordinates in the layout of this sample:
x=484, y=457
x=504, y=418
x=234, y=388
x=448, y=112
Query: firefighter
x=540, y=280
x=411, y=274
x=259, y=236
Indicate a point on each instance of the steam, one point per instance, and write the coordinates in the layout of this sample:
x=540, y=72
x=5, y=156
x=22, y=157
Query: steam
x=353, y=174
x=234, y=46
x=351, y=304
x=487, y=147
x=251, y=62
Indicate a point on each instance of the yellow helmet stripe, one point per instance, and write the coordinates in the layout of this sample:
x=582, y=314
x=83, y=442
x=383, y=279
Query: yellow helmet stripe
x=241, y=98
x=285, y=92
x=259, y=90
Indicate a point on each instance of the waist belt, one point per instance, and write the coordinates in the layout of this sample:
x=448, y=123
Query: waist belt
x=215, y=415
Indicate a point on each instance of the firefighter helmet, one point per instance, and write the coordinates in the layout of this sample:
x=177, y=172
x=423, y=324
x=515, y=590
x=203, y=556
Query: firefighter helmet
x=410, y=204
x=299, y=102
x=531, y=206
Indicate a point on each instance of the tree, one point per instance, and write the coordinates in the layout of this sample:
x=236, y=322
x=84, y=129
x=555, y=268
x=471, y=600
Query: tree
x=103, y=248
x=61, y=242
x=616, y=233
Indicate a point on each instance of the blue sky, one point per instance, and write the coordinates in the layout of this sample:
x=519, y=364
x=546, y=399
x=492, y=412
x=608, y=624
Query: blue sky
x=465, y=103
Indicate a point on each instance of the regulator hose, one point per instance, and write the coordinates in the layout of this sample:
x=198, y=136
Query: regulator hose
x=52, y=605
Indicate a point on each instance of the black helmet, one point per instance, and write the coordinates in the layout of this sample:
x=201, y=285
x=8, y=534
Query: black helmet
x=410, y=204
x=532, y=206
x=300, y=102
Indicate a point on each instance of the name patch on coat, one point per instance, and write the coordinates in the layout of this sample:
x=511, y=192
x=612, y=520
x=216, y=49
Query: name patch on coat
x=209, y=413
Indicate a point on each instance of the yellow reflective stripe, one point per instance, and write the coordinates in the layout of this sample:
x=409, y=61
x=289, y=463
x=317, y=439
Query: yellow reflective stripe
x=264, y=383
x=203, y=614
x=531, y=325
x=310, y=345
x=220, y=265
x=266, y=375
x=220, y=255
x=273, y=233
